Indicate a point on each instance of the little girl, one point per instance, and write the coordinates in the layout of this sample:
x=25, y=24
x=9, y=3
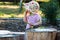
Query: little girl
x=31, y=17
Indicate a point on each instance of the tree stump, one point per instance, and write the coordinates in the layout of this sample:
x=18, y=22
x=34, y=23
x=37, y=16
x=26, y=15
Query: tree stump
x=41, y=35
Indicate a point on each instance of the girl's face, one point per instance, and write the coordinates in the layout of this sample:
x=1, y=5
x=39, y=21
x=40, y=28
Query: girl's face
x=34, y=12
x=32, y=6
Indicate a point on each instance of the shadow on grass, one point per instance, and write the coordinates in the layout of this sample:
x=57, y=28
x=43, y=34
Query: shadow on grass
x=9, y=11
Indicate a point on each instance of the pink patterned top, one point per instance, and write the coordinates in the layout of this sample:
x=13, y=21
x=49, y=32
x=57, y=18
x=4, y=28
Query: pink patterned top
x=33, y=19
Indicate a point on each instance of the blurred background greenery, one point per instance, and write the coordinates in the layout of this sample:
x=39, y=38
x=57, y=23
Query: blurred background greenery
x=49, y=9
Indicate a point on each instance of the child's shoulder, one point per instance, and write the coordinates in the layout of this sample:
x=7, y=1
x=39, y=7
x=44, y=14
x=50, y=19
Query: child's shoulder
x=37, y=14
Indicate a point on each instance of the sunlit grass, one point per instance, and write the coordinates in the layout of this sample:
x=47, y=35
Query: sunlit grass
x=12, y=16
x=41, y=13
x=8, y=3
x=43, y=0
x=17, y=15
x=5, y=16
x=9, y=11
x=13, y=12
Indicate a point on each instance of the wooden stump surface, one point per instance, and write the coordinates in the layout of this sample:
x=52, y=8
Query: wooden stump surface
x=41, y=35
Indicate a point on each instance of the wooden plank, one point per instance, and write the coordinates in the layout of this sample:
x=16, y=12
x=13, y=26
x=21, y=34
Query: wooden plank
x=53, y=35
x=38, y=36
x=41, y=35
x=49, y=36
x=29, y=35
x=3, y=38
x=35, y=36
x=44, y=36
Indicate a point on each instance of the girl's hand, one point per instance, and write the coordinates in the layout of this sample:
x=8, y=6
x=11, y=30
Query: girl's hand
x=29, y=23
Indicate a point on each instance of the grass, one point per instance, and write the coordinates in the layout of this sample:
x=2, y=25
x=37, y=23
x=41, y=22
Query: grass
x=8, y=11
x=8, y=3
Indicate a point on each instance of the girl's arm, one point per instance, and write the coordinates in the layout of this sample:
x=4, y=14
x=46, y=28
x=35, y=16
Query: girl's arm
x=24, y=19
x=26, y=14
x=38, y=22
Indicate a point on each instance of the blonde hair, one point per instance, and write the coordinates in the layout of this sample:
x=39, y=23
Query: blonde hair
x=32, y=6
